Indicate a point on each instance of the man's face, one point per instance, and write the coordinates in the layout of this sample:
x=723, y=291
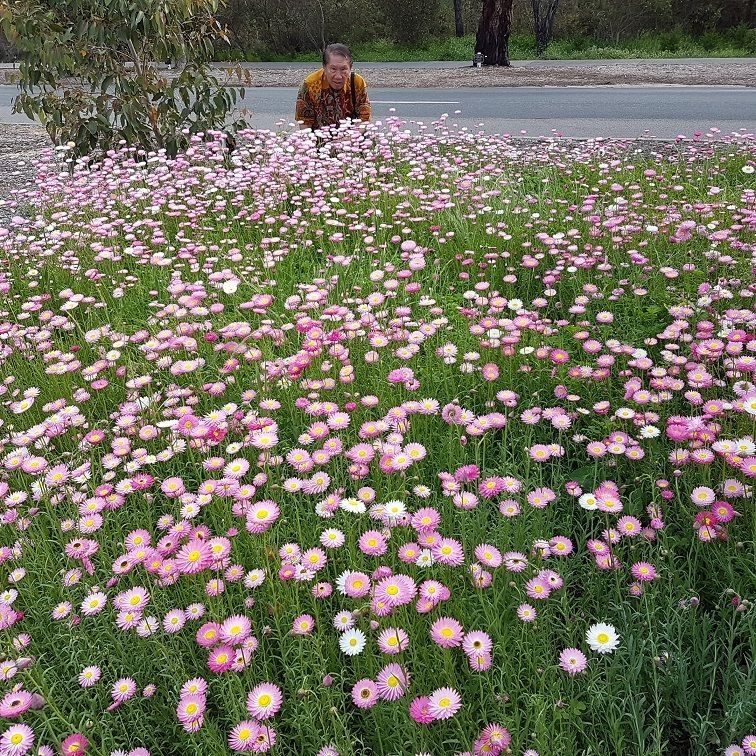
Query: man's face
x=337, y=71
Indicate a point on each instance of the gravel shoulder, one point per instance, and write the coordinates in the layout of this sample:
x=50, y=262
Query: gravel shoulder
x=688, y=72
x=583, y=73
x=20, y=149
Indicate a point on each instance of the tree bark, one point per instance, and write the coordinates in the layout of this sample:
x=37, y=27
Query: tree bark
x=493, y=32
x=459, y=26
x=543, y=23
x=748, y=13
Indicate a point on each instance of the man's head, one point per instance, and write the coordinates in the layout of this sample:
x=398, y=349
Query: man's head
x=337, y=64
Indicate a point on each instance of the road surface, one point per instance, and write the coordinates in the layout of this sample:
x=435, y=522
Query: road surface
x=582, y=112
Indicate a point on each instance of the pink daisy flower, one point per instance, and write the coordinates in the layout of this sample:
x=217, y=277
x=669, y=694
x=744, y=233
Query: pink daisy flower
x=449, y=552
x=447, y=632
x=208, y=634
x=444, y=703
x=191, y=708
x=264, y=701
x=89, y=676
x=496, y=735
x=314, y=559
x=235, y=630
x=395, y=590
x=509, y=508
x=420, y=710
x=17, y=740
x=243, y=736
x=123, y=690
x=480, y=662
x=408, y=552
x=194, y=557
x=265, y=739
x=392, y=682
x=373, y=543
x=477, y=642
x=74, y=744
x=304, y=624
x=393, y=640
x=488, y=555
x=261, y=515
x=15, y=703
x=425, y=519
x=194, y=686
x=643, y=571
x=526, y=612
x=221, y=659
x=537, y=588
x=490, y=487
x=365, y=694
x=174, y=620
x=723, y=511
x=355, y=584
x=573, y=661
x=560, y=546
x=629, y=526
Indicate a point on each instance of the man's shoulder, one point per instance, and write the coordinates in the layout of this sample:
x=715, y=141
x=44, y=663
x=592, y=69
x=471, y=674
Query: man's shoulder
x=316, y=77
x=359, y=82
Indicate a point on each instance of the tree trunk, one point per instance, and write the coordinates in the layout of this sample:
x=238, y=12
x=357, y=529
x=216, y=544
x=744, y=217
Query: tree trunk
x=748, y=13
x=459, y=27
x=543, y=22
x=493, y=32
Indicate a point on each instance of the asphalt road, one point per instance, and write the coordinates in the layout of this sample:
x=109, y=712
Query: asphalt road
x=618, y=112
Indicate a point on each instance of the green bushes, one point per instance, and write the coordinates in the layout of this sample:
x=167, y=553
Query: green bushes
x=739, y=42
x=88, y=72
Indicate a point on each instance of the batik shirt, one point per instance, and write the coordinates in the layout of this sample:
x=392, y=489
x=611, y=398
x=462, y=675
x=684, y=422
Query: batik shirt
x=320, y=105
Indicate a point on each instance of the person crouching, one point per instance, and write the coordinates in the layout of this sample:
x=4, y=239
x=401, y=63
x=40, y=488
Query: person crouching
x=333, y=93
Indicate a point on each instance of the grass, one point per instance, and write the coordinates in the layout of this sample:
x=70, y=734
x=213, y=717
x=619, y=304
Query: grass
x=481, y=211
x=737, y=43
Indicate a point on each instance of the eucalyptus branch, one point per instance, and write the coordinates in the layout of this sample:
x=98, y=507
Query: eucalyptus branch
x=117, y=48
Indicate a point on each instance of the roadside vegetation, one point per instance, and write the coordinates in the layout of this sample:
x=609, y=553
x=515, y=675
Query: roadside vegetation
x=735, y=43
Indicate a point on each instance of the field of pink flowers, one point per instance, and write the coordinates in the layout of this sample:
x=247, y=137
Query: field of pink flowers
x=427, y=442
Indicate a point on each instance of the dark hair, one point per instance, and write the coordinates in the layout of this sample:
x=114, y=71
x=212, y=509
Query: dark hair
x=336, y=49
